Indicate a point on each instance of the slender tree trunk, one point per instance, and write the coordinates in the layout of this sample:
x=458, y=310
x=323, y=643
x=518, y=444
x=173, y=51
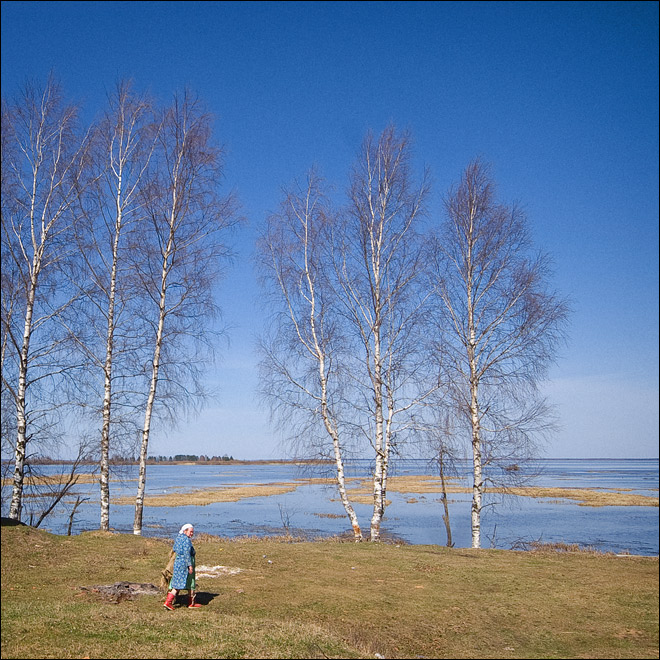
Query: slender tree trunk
x=387, y=448
x=142, y=476
x=297, y=236
x=339, y=463
x=380, y=470
x=477, y=484
x=341, y=484
x=21, y=421
x=443, y=497
x=107, y=374
x=187, y=215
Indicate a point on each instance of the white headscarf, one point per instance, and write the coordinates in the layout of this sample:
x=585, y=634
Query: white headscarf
x=185, y=527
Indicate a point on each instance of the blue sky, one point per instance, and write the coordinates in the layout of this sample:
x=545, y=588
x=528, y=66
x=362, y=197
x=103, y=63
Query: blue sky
x=560, y=97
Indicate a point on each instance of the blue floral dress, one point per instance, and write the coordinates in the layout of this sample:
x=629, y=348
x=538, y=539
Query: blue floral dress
x=185, y=556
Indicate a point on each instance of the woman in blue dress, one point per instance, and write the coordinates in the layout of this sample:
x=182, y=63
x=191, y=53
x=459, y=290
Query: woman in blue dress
x=183, y=572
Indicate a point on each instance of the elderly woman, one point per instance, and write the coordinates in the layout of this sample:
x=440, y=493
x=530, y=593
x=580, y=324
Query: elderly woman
x=183, y=572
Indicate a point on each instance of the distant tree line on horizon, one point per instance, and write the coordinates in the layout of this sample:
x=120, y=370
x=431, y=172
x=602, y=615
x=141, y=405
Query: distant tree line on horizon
x=133, y=460
x=396, y=329
x=192, y=458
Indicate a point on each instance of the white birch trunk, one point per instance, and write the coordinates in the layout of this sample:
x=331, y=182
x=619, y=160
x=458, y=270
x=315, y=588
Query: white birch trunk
x=167, y=256
x=477, y=474
x=21, y=421
x=477, y=486
x=142, y=476
x=107, y=374
x=339, y=463
x=380, y=470
x=325, y=411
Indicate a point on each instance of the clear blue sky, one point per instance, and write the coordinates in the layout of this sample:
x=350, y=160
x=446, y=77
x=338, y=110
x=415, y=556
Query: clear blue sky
x=560, y=97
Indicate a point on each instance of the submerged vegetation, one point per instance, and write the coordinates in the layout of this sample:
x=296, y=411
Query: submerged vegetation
x=359, y=489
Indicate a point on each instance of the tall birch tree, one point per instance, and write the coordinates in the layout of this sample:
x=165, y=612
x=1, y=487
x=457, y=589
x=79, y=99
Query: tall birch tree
x=185, y=249
x=42, y=163
x=124, y=145
x=378, y=264
x=302, y=355
x=499, y=326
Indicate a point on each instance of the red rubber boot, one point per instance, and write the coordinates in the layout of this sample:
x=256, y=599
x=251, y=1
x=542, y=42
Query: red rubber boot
x=169, y=602
x=192, y=603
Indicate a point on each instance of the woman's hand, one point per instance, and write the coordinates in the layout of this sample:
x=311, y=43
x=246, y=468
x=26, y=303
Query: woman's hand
x=190, y=569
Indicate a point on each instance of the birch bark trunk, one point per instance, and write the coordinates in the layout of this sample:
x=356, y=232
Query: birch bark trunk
x=107, y=374
x=21, y=437
x=153, y=385
x=477, y=475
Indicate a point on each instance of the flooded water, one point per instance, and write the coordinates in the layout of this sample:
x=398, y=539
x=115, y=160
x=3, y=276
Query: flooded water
x=314, y=510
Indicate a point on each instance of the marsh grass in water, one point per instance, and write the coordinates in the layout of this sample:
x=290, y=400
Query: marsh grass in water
x=54, y=479
x=584, y=496
x=359, y=490
x=203, y=497
x=325, y=599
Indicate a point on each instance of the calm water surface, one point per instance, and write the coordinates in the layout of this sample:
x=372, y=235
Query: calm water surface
x=310, y=510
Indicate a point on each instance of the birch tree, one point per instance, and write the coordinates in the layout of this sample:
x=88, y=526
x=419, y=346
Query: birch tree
x=124, y=145
x=42, y=162
x=301, y=365
x=499, y=327
x=378, y=264
x=181, y=261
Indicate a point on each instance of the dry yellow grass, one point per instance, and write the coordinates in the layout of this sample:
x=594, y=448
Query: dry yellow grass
x=204, y=497
x=222, y=494
x=54, y=480
x=584, y=496
x=361, y=498
x=324, y=600
x=360, y=491
x=589, y=496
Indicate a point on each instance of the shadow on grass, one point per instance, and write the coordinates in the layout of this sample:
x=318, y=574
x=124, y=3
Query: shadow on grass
x=201, y=597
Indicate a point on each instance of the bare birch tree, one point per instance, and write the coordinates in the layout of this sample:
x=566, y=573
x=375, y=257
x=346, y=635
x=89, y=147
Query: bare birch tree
x=42, y=161
x=499, y=327
x=301, y=357
x=378, y=262
x=180, y=264
x=124, y=145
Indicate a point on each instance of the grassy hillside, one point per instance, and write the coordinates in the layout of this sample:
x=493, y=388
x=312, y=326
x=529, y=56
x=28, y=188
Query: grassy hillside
x=324, y=600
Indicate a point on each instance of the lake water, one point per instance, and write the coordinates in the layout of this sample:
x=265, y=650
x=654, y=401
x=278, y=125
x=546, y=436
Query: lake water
x=310, y=510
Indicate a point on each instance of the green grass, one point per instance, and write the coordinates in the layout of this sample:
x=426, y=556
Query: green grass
x=326, y=599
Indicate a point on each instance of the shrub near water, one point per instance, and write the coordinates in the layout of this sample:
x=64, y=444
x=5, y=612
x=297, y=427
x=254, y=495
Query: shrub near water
x=324, y=599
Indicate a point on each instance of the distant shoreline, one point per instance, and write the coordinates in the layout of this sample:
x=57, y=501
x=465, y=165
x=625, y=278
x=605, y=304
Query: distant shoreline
x=282, y=461
x=267, y=461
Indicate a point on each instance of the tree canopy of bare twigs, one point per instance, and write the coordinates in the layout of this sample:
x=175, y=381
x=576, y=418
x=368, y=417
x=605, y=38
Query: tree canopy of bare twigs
x=43, y=159
x=112, y=219
x=378, y=261
x=302, y=354
x=183, y=251
x=346, y=345
x=498, y=326
x=113, y=241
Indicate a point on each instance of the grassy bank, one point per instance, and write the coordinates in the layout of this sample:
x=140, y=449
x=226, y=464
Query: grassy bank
x=324, y=600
